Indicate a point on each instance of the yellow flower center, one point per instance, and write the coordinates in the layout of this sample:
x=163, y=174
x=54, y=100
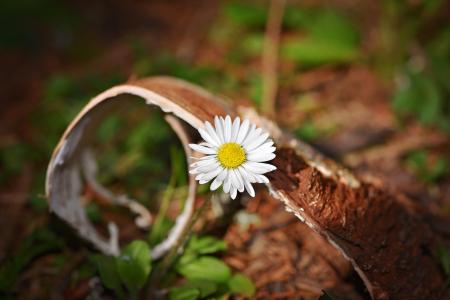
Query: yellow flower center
x=231, y=155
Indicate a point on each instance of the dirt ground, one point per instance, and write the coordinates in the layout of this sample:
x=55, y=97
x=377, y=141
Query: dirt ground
x=283, y=257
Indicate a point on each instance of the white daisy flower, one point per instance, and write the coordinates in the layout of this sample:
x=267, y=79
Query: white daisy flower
x=235, y=153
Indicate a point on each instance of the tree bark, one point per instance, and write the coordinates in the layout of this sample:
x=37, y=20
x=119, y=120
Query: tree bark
x=382, y=233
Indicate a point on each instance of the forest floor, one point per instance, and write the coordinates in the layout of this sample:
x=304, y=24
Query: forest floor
x=349, y=106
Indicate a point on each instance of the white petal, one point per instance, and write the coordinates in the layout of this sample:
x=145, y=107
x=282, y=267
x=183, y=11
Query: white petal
x=257, y=142
x=194, y=171
x=227, y=125
x=205, y=135
x=233, y=179
x=210, y=129
x=202, y=149
x=258, y=168
x=233, y=193
x=227, y=185
x=258, y=157
x=219, y=179
x=236, y=180
x=246, y=176
x=261, y=178
x=209, y=167
x=219, y=129
x=252, y=135
x=268, y=143
x=223, y=175
x=204, y=178
x=204, y=162
x=261, y=150
x=243, y=131
x=264, y=147
x=205, y=144
x=235, y=129
x=206, y=157
x=249, y=188
x=215, y=184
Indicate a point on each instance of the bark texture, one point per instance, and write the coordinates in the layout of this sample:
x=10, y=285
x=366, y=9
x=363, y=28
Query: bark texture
x=382, y=233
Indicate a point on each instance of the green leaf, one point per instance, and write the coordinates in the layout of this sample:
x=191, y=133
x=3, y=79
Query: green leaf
x=184, y=293
x=106, y=266
x=205, y=287
x=331, y=25
x=331, y=38
x=312, y=51
x=205, y=268
x=206, y=245
x=444, y=256
x=134, y=265
x=246, y=14
x=241, y=284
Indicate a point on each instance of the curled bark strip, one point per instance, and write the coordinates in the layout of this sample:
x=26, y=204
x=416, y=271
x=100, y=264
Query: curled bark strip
x=183, y=219
x=382, y=233
x=64, y=183
x=89, y=166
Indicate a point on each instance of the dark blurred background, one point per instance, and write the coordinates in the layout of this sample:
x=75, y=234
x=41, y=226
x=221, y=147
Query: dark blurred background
x=366, y=82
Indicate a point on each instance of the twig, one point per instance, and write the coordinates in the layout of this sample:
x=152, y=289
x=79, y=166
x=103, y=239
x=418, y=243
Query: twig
x=89, y=166
x=270, y=56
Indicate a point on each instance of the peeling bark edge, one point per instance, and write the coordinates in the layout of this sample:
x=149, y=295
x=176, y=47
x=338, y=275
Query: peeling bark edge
x=381, y=233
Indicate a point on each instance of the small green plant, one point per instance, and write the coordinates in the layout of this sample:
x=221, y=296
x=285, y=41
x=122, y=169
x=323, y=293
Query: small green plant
x=201, y=275
x=207, y=276
x=131, y=269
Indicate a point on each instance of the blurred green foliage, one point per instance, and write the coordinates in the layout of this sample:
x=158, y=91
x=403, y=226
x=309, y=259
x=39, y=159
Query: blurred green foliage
x=425, y=92
x=307, y=131
x=419, y=162
x=40, y=241
x=444, y=256
x=131, y=159
x=328, y=35
x=12, y=160
x=330, y=38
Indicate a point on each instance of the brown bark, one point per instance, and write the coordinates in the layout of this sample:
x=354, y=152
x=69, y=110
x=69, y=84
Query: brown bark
x=382, y=233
